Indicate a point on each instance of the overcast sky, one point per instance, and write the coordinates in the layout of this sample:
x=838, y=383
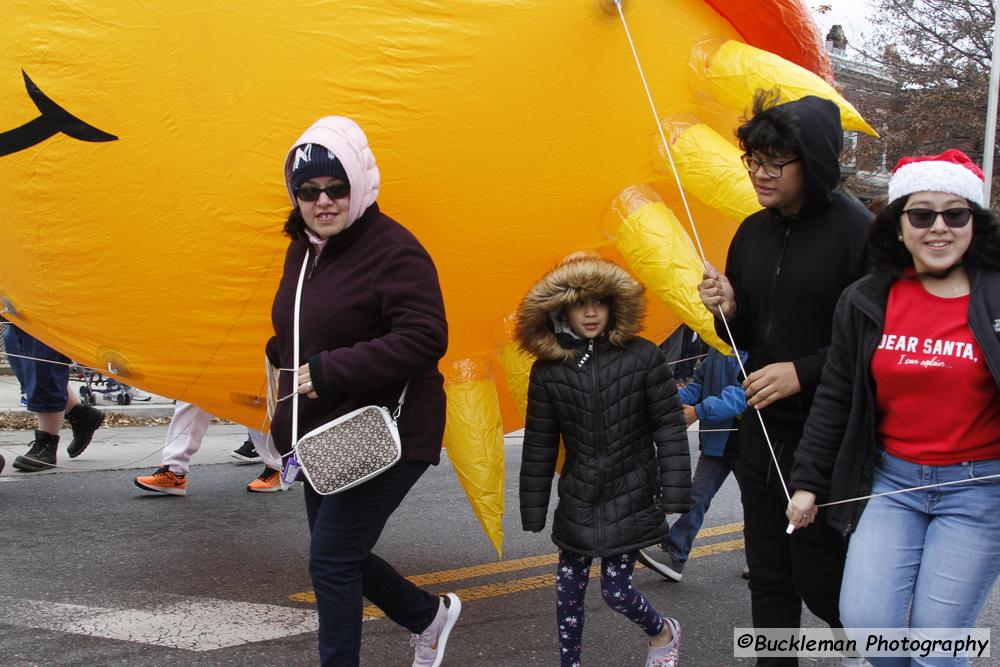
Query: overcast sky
x=852, y=14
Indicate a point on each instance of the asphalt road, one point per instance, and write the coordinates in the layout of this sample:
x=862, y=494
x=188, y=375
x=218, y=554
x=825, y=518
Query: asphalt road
x=94, y=572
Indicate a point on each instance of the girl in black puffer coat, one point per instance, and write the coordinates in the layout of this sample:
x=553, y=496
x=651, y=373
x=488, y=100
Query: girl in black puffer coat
x=610, y=395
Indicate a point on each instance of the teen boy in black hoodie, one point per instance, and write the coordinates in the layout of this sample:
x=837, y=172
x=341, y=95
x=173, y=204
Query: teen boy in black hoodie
x=786, y=268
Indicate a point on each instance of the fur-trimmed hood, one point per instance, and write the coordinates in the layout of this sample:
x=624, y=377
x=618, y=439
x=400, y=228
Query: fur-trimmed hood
x=575, y=279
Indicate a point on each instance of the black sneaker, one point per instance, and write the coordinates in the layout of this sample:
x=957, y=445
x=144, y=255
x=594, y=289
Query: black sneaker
x=83, y=420
x=42, y=454
x=247, y=453
x=657, y=560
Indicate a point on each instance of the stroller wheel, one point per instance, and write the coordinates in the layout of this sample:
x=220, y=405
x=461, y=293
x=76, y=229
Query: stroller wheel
x=124, y=398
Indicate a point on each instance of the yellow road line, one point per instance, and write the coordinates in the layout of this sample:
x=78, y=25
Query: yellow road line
x=724, y=529
x=527, y=583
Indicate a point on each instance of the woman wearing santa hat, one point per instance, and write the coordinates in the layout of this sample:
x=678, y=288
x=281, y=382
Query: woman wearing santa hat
x=910, y=397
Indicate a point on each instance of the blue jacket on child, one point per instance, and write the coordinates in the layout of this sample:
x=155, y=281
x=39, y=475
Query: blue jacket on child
x=717, y=396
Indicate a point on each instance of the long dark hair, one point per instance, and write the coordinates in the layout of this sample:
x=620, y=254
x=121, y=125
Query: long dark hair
x=295, y=226
x=889, y=253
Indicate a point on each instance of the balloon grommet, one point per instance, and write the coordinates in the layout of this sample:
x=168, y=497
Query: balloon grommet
x=7, y=306
x=117, y=364
x=248, y=400
x=611, y=6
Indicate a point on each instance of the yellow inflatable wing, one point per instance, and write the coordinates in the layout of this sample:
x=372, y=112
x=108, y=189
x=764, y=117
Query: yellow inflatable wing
x=730, y=72
x=141, y=149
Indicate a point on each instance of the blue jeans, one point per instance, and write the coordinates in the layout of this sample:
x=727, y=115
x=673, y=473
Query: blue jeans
x=709, y=476
x=44, y=384
x=345, y=527
x=923, y=559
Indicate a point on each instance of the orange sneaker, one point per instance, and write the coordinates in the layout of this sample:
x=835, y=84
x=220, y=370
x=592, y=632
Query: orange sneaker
x=164, y=480
x=268, y=482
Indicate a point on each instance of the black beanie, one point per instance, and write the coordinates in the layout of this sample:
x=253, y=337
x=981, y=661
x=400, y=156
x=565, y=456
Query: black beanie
x=312, y=161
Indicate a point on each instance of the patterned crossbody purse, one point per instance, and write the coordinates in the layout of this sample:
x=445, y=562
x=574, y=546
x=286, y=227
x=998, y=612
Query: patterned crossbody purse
x=350, y=449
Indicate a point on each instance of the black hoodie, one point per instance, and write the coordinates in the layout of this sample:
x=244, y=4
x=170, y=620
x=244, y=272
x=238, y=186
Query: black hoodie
x=788, y=271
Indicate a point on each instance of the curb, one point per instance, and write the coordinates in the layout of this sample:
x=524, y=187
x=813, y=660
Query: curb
x=20, y=419
x=133, y=411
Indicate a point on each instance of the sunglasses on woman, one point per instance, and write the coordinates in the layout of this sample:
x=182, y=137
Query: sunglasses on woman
x=922, y=218
x=333, y=191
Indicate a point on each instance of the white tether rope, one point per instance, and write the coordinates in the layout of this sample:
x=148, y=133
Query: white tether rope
x=694, y=228
x=704, y=259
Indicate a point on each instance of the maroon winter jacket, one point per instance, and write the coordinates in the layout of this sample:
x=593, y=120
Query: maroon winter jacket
x=372, y=318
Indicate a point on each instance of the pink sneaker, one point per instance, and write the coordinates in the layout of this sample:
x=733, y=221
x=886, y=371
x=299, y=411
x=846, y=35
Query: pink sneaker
x=666, y=656
x=429, y=644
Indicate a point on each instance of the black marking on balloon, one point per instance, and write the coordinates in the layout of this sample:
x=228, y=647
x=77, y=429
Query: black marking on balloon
x=54, y=119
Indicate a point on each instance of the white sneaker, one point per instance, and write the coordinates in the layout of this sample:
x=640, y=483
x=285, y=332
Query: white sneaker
x=666, y=656
x=139, y=394
x=429, y=644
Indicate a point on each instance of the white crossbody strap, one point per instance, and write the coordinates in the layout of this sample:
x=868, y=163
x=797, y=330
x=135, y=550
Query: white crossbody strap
x=295, y=359
x=295, y=351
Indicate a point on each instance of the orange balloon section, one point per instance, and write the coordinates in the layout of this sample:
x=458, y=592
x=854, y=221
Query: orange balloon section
x=141, y=149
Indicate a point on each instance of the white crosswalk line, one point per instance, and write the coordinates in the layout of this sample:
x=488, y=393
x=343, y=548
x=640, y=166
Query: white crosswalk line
x=193, y=624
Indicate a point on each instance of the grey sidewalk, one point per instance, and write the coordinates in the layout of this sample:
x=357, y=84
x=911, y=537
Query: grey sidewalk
x=156, y=406
x=126, y=447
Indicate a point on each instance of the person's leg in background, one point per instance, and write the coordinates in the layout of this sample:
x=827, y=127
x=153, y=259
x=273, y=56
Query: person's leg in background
x=269, y=480
x=184, y=437
x=12, y=345
x=46, y=381
x=709, y=476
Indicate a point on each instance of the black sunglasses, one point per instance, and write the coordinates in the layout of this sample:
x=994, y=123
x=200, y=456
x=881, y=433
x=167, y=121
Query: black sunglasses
x=333, y=191
x=922, y=218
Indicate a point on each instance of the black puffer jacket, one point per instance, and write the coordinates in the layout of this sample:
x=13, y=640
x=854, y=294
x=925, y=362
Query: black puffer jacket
x=610, y=399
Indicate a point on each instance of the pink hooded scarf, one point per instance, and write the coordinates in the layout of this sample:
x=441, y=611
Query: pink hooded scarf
x=345, y=139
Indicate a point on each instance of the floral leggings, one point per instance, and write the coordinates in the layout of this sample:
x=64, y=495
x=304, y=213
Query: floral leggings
x=616, y=588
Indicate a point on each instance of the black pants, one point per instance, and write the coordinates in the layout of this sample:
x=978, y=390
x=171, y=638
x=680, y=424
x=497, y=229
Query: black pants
x=785, y=570
x=345, y=528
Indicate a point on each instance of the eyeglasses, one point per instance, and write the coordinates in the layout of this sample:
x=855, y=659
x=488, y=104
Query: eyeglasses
x=922, y=218
x=333, y=191
x=772, y=169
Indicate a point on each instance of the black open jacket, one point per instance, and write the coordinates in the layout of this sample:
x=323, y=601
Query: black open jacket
x=837, y=454
x=788, y=271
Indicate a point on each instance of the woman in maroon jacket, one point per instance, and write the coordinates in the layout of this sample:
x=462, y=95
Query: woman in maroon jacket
x=372, y=318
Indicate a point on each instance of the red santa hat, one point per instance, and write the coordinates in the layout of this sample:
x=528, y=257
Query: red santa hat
x=952, y=172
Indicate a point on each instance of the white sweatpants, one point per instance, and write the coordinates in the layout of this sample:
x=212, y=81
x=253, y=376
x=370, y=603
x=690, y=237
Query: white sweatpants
x=187, y=430
x=184, y=435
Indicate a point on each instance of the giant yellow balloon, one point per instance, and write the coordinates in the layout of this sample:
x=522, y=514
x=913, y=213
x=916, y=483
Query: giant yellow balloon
x=503, y=129
x=141, y=149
